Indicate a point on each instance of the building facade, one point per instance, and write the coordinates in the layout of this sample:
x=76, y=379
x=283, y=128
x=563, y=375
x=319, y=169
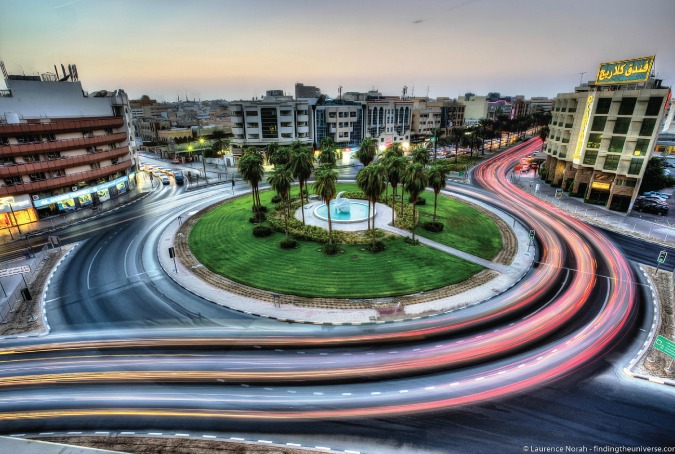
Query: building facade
x=342, y=121
x=601, y=137
x=389, y=120
x=275, y=118
x=60, y=148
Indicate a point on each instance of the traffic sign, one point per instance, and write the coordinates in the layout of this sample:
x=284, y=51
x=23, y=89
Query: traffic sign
x=532, y=234
x=665, y=345
x=558, y=193
x=16, y=270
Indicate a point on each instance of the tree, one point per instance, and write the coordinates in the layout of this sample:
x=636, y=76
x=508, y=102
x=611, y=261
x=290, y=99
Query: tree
x=486, y=126
x=277, y=155
x=328, y=155
x=251, y=170
x=415, y=180
x=324, y=186
x=395, y=167
x=437, y=133
x=420, y=155
x=301, y=166
x=543, y=133
x=437, y=174
x=219, y=141
x=367, y=151
x=372, y=180
x=281, y=180
x=457, y=136
x=655, y=177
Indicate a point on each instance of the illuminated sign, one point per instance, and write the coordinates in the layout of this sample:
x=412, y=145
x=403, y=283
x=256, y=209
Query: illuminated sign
x=576, y=158
x=600, y=185
x=82, y=192
x=625, y=71
x=18, y=202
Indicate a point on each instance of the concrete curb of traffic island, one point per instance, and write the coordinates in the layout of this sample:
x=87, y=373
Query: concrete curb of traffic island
x=291, y=313
x=628, y=370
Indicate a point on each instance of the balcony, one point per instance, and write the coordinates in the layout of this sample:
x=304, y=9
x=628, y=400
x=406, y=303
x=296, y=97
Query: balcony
x=68, y=180
x=57, y=126
x=303, y=129
x=61, y=145
x=303, y=117
x=63, y=163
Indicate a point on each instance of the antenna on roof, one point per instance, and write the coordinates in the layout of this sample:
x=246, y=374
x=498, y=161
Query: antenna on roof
x=581, y=79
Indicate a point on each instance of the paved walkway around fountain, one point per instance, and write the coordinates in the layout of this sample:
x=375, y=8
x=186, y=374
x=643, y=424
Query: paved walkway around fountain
x=508, y=276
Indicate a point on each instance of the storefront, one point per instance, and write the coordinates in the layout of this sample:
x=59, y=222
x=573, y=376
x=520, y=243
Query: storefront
x=16, y=211
x=85, y=197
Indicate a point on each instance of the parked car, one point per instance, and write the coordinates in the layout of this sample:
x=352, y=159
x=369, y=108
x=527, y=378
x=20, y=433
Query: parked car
x=661, y=195
x=651, y=206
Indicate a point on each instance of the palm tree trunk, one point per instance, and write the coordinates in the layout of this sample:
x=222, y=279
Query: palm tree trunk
x=402, y=200
x=369, y=228
x=435, y=204
x=413, y=223
x=302, y=204
x=287, y=213
x=330, y=224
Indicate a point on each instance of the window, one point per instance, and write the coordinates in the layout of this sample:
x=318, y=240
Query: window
x=31, y=158
x=647, y=127
x=654, y=105
x=627, y=106
x=635, y=166
x=603, y=106
x=641, y=147
x=11, y=181
x=621, y=125
x=616, y=144
x=251, y=113
x=629, y=183
x=611, y=162
x=4, y=141
x=40, y=176
x=589, y=157
x=594, y=140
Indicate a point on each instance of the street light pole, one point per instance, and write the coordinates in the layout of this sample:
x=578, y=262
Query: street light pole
x=201, y=142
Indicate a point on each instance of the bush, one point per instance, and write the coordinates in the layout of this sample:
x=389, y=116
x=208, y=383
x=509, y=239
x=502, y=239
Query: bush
x=262, y=231
x=331, y=249
x=435, y=227
x=412, y=242
x=257, y=218
x=421, y=201
x=376, y=246
x=288, y=243
x=259, y=209
x=276, y=199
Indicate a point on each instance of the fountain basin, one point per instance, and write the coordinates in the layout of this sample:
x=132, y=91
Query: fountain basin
x=358, y=212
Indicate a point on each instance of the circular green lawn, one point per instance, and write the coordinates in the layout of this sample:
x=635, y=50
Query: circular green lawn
x=222, y=241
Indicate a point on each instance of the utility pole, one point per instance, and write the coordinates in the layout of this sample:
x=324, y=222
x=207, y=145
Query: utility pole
x=581, y=79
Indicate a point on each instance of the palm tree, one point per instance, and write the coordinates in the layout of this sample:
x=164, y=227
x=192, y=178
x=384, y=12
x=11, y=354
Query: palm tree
x=395, y=167
x=277, y=155
x=437, y=133
x=371, y=180
x=301, y=166
x=486, y=132
x=367, y=151
x=420, y=155
x=328, y=155
x=281, y=180
x=437, y=174
x=457, y=135
x=324, y=186
x=251, y=170
x=220, y=141
x=415, y=180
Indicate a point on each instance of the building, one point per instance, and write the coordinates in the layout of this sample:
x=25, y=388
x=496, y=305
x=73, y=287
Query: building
x=603, y=134
x=342, y=121
x=475, y=108
x=389, y=120
x=306, y=91
x=61, y=148
x=275, y=118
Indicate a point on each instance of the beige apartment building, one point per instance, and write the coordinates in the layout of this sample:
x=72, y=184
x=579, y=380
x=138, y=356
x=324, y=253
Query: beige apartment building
x=601, y=137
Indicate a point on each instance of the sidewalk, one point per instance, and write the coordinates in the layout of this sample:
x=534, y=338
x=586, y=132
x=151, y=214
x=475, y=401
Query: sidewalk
x=651, y=227
x=506, y=278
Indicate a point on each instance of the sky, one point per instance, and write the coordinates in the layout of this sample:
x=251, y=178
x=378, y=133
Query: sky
x=225, y=49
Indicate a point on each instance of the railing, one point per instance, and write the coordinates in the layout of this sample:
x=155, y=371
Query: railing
x=61, y=145
x=56, y=126
x=68, y=180
x=61, y=163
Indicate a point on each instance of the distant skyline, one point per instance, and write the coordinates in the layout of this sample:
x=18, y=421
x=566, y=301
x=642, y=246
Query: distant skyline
x=222, y=49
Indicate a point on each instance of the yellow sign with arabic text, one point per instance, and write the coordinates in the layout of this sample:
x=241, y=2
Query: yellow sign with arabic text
x=625, y=71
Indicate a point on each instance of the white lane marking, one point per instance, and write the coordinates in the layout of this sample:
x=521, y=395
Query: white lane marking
x=155, y=433
x=90, y=265
x=429, y=388
x=346, y=394
x=182, y=435
x=126, y=253
x=208, y=436
x=375, y=393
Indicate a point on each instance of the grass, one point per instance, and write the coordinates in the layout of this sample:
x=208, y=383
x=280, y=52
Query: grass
x=223, y=242
x=466, y=228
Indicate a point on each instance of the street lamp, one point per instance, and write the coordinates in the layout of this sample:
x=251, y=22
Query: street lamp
x=201, y=142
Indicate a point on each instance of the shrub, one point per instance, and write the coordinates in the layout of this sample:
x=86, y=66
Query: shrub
x=331, y=249
x=262, y=231
x=288, y=243
x=421, y=201
x=259, y=209
x=276, y=199
x=412, y=242
x=376, y=246
x=257, y=218
x=435, y=227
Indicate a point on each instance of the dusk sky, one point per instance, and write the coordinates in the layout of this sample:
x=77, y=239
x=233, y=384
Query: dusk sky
x=222, y=49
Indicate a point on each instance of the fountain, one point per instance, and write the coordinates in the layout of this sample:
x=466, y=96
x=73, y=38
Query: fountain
x=344, y=210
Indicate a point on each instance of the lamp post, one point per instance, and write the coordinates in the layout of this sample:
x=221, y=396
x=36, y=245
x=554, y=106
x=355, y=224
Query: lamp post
x=201, y=142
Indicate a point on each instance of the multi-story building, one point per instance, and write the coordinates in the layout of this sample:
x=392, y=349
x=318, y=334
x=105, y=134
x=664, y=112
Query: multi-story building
x=476, y=108
x=306, y=91
x=342, y=121
x=275, y=118
x=538, y=104
x=389, y=120
x=61, y=148
x=602, y=136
